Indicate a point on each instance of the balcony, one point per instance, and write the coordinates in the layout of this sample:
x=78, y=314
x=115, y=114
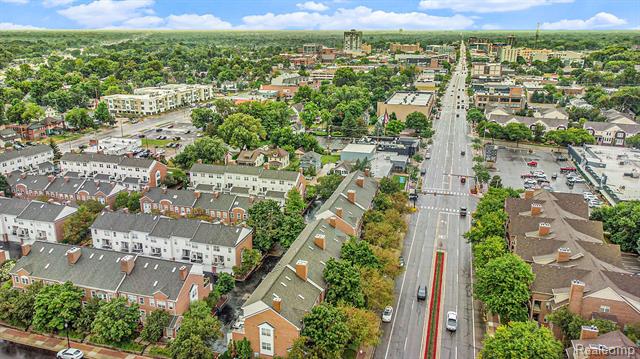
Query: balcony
x=196, y=260
x=156, y=254
x=107, y=246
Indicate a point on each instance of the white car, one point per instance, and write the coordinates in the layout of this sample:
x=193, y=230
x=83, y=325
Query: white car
x=452, y=321
x=387, y=314
x=70, y=353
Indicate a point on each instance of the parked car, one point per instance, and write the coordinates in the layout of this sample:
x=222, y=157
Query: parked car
x=387, y=314
x=532, y=163
x=463, y=211
x=561, y=158
x=70, y=353
x=401, y=261
x=567, y=169
x=452, y=321
x=422, y=292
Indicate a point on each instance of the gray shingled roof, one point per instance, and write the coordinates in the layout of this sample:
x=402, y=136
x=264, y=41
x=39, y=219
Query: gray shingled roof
x=219, y=234
x=100, y=157
x=41, y=211
x=245, y=170
x=12, y=206
x=125, y=222
x=210, y=202
x=152, y=275
x=181, y=198
x=27, y=151
x=33, y=182
x=364, y=197
x=68, y=185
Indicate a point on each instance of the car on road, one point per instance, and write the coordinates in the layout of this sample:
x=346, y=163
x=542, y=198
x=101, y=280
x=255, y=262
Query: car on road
x=423, y=172
x=401, y=261
x=70, y=353
x=422, y=292
x=463, y=211
x=387, y=314
x=567, y=169
x=462, y=153
x=452, y=321
x=561, y=158
x=427, y=156
x=532, y=163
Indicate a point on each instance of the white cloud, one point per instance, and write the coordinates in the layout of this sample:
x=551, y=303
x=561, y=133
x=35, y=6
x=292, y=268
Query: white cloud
x=12, y=26
x=490, y=27
x=142, y=22
x=598, y=21
x=21, y=2
x=486, y=6
x=360, y=17
x=55, y=3
x=196, y=22
x=312, y=6
x=107, y=13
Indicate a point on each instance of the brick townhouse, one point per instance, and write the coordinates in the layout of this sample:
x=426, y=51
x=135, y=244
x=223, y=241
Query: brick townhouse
x=31, y=158
x=64, y=189
x=228, y=208
x=271, y=318
x=612, y=345
x=144, y=171
x=574, y=267
x=152, y=283
x=217, y=247
x=256, y=181
x=25, y=221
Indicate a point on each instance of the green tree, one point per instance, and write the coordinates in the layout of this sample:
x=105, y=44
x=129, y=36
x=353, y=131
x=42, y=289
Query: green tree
x=5, y=268
x=87, y=315
x=571, y=324
x=291, y=226
x=475, y=116
x=241, y=130
x=208, y=149
x=225, y=283
x=522, y=340
x=294, y=203
x=633, y=141
x=343, y=280
x=571, y=136
x=326, y=331
x=154, y=326
x=22, y=305
x=101, y=114
x=133, y=203
x=377, y=288
x=265, y=217
x=116, y=321
x=345, y=76
x=122, y=200
x=359, y=253
x=490, y=248
x=56, y=305
x=419, y=122
x=621, y=224
x=15, y=111
x=363, y=325
x=203, y=117
x=503, y=286
x=517, y=132
x=309, y=114
x=57, y=154
x=394, y=127
x=197, y=328
x=76, y=227
x=389, y=186
x=327, y=185
x=495, y=182
x=78, y=118
x=4, y=186
x=32, y=112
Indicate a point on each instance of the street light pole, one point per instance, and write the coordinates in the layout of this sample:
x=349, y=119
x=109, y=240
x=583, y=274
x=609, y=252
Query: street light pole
x=66, y=329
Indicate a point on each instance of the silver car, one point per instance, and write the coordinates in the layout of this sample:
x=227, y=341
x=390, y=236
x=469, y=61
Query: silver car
x=452, y=321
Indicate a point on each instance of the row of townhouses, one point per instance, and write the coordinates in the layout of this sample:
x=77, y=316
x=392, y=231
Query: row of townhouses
x=272, y=317
x=38, y=159
x=154, y=100
x=136, y=172
x=216, y=246
x=152, y=283
x=25, y=221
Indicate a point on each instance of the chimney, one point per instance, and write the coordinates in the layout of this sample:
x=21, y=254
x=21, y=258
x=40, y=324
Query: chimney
x=164, y=190
x=588, y=332
x=199, y=161
x=23, y=175
x=360, y=181
x=130, y=154
x=544, y=229
x=145, y=189
x=266, y=165
x=302, y=269
x=26, y=249
x=97, y=183
x=196, y=194
x=366, y=172
x=564, y=255
x=51, y=178
x=73, y=255
x=320, y=240
x=216, y=194
x=536, y=209
x=332, y=221
x=575, y=296
x=276, y=303
x=66, y=178
x=126, y=264
x=528, y=193
x=339, y=212
x=351, y=196
x=183, y=273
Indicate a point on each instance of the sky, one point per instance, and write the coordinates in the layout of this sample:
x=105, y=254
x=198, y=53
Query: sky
x=321, y=15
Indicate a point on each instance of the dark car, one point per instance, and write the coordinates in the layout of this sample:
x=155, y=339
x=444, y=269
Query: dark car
x=463, y=211
x=422, y=292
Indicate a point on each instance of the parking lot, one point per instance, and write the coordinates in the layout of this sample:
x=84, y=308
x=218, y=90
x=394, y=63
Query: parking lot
x=169, y=139
x=511, y=164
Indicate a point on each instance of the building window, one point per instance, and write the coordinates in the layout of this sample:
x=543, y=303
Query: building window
x=24, y=280
x=605, y=309
x=265, y=332
x=141, y=300
x=266, y=346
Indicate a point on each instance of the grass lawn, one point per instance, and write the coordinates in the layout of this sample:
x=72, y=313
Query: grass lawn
x=401, y=180
x=65, y=137
x=150, y=142
x=329, y=159
x=159, y=351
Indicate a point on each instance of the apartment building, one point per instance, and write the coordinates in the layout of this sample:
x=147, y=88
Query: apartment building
x=228, y=208
x=152, y=283
x=26, y=221
x=573, y=265
x=508, y=54
x=352, y=41
x=30, y=159
x=506, y=95
x=217, y=247
x=256, y=181
x=406, y=48
x=271, y=318
x=612, y=134
x=548, y=124
x=402, y=103
x=154, y=100
x=143, y=171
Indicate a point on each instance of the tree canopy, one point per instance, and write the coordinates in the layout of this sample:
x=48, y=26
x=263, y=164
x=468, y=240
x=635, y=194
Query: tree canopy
x=521, y=340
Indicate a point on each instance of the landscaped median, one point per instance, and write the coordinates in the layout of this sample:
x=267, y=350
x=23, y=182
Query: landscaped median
x=435, y=303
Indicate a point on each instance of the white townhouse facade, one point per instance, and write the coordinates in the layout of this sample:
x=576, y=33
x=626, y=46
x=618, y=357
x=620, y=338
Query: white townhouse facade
x=119, y=168
x=24, y=222
x=256, y=181
x=216, y=246
x=25, y=160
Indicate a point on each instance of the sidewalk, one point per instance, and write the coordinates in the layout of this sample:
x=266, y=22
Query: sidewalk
x=55, y=345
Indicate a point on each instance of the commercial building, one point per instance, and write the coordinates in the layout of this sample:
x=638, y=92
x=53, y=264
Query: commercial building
x=483, y=69
x=154, y=100
x=114, y=145
x=352, y=41
x=144, y=171
x=506, y=95
x=311, y=49
x=271, y=318
x=216, y=246
x=256, y=181
x=508, y=54
x=152, y=283
x=29, y=159
x=574, y=267
x=358, y=152
x=613, y=134
x=28, y=221
x=407, y=48
x=402, y=103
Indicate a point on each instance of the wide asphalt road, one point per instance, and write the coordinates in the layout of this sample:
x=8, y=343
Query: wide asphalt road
x=438, y=225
